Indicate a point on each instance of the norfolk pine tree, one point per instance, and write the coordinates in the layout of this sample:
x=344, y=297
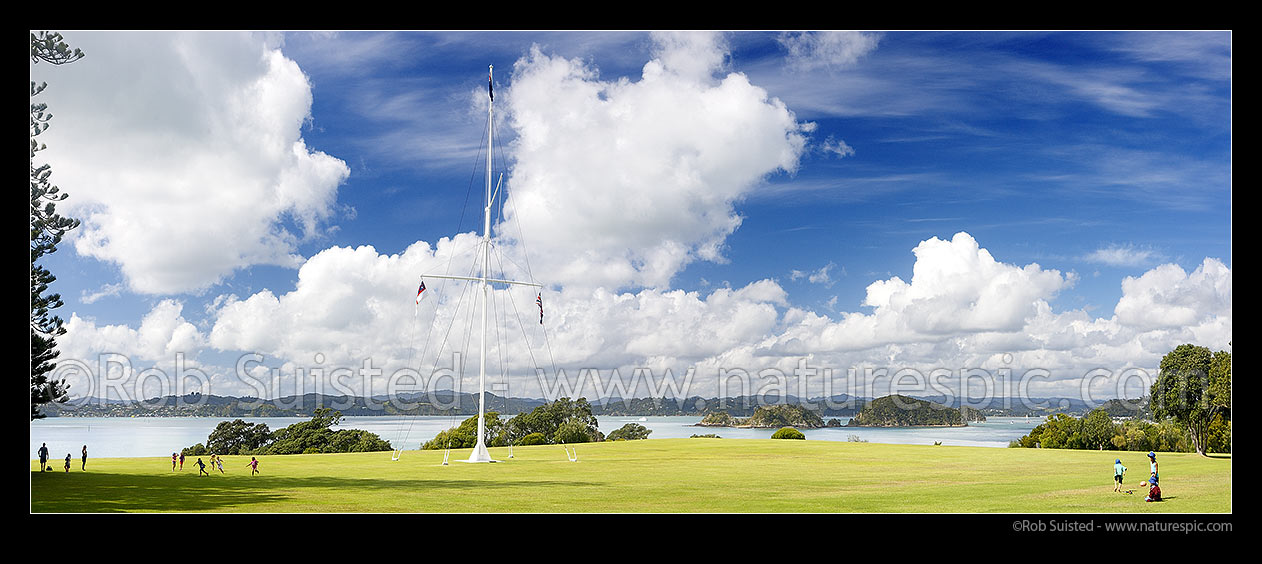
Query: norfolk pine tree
x=47, y=229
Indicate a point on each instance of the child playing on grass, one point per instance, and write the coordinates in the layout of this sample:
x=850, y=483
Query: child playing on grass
x=1154, y=491
x=67, y=462
x=254, y=466
x=1118, y=471
x=219, y=461
x=201, y=468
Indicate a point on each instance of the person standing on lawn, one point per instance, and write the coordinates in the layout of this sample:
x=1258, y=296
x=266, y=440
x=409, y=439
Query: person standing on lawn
x=1118, y=472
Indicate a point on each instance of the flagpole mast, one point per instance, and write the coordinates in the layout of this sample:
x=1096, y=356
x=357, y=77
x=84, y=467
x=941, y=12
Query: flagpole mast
x=480, y=453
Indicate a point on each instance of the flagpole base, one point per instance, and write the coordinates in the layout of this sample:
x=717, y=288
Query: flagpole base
x=480, y=454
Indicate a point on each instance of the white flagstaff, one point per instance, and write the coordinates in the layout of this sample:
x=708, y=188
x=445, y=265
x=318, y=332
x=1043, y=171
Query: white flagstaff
x=479, y=450
x=485, y=280
x=480, y=453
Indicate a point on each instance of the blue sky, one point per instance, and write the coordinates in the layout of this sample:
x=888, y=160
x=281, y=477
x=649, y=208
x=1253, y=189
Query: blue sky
x=1045, y=172
x=1098, y=156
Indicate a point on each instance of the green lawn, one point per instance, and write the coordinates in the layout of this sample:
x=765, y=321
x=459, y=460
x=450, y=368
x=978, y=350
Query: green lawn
x=666, y=475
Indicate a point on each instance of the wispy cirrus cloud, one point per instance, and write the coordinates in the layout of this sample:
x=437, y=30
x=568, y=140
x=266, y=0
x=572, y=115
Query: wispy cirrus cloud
x=1204, y=54
x=827, y=49
x=838, y=147
x=820, y=275
x=108, y=290
x=1123, y=255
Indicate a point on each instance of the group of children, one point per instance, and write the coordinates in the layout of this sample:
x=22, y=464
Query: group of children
x=1154, y=490
x=216, y=461
x=177, y=458
x=43, y=459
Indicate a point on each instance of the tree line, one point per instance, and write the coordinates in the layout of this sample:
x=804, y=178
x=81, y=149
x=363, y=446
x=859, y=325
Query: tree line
x=1188, y=410
x=306, y=437
x=563, y=421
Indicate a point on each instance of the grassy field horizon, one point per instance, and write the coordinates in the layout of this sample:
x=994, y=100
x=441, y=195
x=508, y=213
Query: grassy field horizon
x=653, y=476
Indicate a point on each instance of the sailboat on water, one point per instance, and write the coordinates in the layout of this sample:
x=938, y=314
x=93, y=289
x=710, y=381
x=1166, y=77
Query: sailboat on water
x=483, y=281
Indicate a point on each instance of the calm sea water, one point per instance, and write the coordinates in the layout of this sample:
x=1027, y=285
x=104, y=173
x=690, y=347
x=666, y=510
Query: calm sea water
x=121, y=437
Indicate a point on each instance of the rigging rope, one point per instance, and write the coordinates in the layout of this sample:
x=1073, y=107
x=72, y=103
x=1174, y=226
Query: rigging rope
x=493, y=304
x=439, y=294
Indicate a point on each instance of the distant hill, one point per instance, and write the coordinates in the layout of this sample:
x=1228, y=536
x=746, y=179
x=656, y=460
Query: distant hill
x=1015, y=407
x=446, y=402
x=970, y=415
x=776, y=416
x=1133, y=408
x=198, y=405
x=767, y=417
x=717, y=419
x=741, y=406
x=904, y=411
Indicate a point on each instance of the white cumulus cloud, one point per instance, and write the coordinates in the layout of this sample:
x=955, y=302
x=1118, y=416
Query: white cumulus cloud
x=962, y=309
x=1168, y=297
x=622, y=183
x=184, y=155
x=121, y=362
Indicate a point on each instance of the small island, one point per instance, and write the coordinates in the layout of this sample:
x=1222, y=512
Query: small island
x=767, y=417
x=903, y=411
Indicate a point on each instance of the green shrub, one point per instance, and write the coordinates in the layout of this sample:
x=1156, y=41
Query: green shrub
x=238, y=437
x=532, y=439
x=575, y=431
x=630, y=432
x=1219, y=434
x=356, y=440
x=465, y=435
x=560, y=421
x=789, y=433
x=305, y=437
x=706, y=436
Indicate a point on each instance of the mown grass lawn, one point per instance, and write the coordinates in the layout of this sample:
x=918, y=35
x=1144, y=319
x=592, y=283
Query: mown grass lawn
x=653, y=476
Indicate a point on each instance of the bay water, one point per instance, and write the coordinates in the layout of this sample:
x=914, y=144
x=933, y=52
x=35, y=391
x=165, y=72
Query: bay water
x=124, y=437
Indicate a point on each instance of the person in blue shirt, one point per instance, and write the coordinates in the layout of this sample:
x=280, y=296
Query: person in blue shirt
x=1118, y=472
